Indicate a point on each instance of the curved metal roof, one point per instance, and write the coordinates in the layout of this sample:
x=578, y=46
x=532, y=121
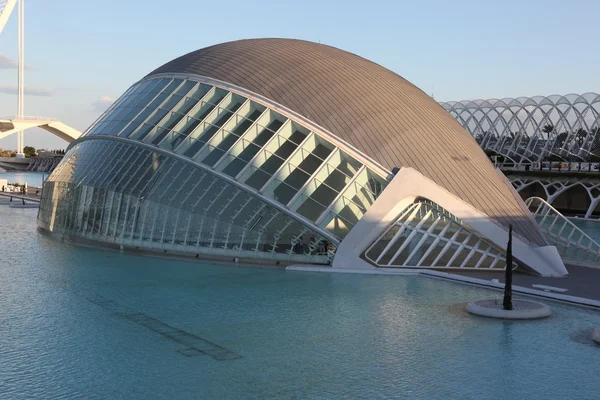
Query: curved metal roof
x=370, y=107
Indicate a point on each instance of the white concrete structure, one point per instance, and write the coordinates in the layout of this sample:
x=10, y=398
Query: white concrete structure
x=466, y=238
x=20, y=122
x=522, y=309
x=289, y=151
x=11, y=125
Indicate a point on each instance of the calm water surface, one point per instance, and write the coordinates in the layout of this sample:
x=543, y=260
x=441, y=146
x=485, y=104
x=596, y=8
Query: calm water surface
x=81, y=323
x=591, y=228
x=31, y=178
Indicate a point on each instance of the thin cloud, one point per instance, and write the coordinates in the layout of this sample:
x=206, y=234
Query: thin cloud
x=31, y=91
x=102, y=103
x=9, y=63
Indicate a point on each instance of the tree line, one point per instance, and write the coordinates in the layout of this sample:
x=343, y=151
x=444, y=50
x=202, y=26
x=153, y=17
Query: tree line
x=29, y=151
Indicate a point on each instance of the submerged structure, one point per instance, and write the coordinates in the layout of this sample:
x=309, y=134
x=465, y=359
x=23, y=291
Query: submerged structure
x=293, y=152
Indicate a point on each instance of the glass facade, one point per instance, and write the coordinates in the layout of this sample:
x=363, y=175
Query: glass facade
x=123, y=194
x=249, y=142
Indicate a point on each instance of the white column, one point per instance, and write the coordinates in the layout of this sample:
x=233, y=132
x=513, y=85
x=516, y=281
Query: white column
x=21, y=74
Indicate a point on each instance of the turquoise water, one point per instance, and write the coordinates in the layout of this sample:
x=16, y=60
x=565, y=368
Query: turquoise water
x=83, y=323
x=31, y=178
x=591, y=228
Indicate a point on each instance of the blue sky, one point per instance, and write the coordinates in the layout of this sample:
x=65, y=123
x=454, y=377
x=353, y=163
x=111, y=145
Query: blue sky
x=83, y=54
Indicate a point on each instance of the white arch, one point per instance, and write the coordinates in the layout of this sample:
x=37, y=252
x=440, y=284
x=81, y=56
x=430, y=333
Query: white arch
x=8, y=126
x=407, y=185
x=560, y=187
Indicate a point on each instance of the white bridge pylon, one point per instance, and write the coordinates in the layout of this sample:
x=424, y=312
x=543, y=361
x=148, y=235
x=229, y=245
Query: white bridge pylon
x=19, y=123
x=10, y=125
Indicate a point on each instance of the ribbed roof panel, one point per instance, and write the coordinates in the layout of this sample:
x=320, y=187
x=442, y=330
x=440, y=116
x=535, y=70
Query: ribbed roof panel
x=370, y=107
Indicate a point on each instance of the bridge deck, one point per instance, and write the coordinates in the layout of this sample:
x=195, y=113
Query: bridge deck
x=35, y=199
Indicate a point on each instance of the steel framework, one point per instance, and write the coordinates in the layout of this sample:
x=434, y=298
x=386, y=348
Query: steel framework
x=529, y=129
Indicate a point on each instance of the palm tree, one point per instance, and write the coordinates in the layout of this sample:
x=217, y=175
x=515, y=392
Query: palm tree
x=548, y=129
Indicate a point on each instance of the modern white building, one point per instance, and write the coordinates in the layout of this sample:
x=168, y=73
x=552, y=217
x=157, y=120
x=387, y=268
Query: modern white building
x=289, y=151
x=531, y=129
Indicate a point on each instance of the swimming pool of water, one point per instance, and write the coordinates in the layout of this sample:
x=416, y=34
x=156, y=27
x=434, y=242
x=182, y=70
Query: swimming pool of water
x=84, y=323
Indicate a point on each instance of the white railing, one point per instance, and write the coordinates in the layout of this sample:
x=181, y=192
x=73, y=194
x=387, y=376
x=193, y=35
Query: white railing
x=573, y=244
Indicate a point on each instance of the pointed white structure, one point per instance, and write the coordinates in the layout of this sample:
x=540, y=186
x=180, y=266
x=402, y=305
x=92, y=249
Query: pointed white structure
x=20, y=122
x=416, y=224
x=10, y=125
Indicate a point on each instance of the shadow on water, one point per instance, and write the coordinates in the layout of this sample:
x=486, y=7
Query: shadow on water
x=584, y=336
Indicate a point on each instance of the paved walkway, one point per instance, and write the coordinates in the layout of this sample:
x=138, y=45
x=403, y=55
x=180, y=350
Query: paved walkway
x=581, y=282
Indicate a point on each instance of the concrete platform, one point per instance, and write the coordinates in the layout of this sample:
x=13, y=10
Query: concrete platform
x=522, y=309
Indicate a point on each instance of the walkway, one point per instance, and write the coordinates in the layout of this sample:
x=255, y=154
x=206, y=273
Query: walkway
x=581, y=282
x=582, y=285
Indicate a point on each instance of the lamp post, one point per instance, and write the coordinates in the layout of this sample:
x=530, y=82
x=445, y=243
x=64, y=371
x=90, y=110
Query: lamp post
x=507, y=301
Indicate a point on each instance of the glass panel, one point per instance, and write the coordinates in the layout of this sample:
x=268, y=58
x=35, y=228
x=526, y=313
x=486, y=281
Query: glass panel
x=156, y=203
x=247, y=150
